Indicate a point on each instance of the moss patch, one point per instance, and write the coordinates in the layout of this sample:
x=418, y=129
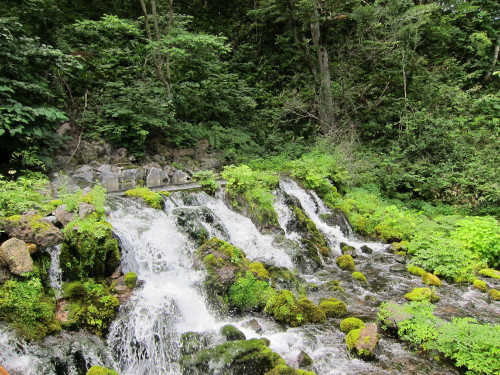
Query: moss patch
x=489, y=272
x=130, y=279
x=494, y=294
x=151, y=198
x=359, y=276
x=349, y=324
x=333, y=308
x=415, y=270
x=422, y=294
x=481, y=285
x=346, y=262
x=98, y=370
x=431, y=279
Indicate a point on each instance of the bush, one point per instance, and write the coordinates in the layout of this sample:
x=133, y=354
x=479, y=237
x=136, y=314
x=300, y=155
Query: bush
x=249, y=293
x=207, y=181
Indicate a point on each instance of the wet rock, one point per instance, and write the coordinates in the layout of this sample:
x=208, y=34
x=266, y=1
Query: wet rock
x=85, y=209
x=400, y=258
x=349, y=250
x=16, y=255
x=304, y=360
x=363, y=341
x=121, y=289
x=180, y=177
x=156, y=177
x=393, y=314
x=254, y=325
x=63, y=216
x=192, y=342
x=231, y=333
x=366, y=249
x=397, y=268
x=84, y=176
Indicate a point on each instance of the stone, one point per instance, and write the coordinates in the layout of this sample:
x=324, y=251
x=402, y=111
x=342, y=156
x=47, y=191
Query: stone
x=50, y=219
x=4, y=273
x=33, y=229
x=180, y=177
x=253, y=324
x=16, y=255
x=394, y=314
x=156, y=177
x=84, y=176
x=85, y=209
x=231, y=333
x=210, y=163
x=304, y=360
x=63, y=216
x=367, y=341
x=131, y=177
x=32, y=248
x=366, y=249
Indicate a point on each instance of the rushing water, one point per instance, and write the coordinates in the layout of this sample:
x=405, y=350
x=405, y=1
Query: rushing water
x=160, y=245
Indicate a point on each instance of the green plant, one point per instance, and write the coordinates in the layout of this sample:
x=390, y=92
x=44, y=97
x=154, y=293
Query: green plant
x=206, y=180
x=130, y=279
x=28, y=191
x=249, y=293
x=284, y=308
x=151, y=198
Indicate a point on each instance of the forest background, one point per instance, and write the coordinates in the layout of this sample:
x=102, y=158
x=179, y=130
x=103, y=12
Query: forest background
x=403, y=94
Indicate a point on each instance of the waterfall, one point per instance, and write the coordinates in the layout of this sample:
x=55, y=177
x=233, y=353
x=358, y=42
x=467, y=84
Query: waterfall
x=55, y=273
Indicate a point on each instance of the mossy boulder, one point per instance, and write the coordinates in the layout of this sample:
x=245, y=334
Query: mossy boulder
x=98, y=370
x=431, y=279
x=241, y=357
x=283, y=278
x=363, y=341
x=481, y=285
x=348, y=249
x=422, y=294
x=415, y=270
x=366, y=249
x=333, y=308
x=259, y=271
x=310, y=312
x=304, y=360
x=489, y=272
x=151, y=198
x=346, y=262
x=192, y=342
x=333, y=286
x=130, y=279
x=285, y=370
x=284, y=307
x=494, y=294
x=231, y=333
x=32, y=228
x=348, y=324
x=16, y=255
x=359, y=276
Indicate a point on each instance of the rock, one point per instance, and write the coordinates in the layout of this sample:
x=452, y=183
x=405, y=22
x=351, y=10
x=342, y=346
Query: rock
x=131, y=177
x=84, y=176
x=253, y=324
x=349, y=250
x=4, y=273
x=304, y=360
x=231, y=333
x=121, y=289
x=393, y=314
x=397, y=268
x=85, y=209
x=119, y=156
x=50, y=219
x=156, y=177
x=366, y=250
x=210, y=163
x=62, y=310
x=33, y=229
x=32, y=248
x=61, y=181
x=180, y=177
x=16, y=255
x=363, y=341
x=192, y=342
x=63, y=216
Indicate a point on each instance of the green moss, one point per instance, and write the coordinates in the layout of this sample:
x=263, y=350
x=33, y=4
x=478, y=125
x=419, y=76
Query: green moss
x=359, y=276
x=489, y=272
x=417, y=271
x=151, y=198
x=130, y=279
x=231, y=333
x=349, y=324
x=333, y=286
x=283, y=278
x=480, y=284
x=285, y=370
x=333, y=307
x=284, y=308
x=98, y=370
x=74, y=290
x=352, y=338
x=259, y=271
x=346, y=262
x=312, y=239
x=431, y=279
x=249, y=293
x=494, y=294
x=422, y=294
x=311, y=312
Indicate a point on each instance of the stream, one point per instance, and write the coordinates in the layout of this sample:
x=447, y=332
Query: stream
x=160, y=247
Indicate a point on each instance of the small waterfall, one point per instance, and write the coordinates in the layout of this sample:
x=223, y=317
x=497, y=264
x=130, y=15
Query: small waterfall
x=145, y=336
x=14, y=356
x=55, y=272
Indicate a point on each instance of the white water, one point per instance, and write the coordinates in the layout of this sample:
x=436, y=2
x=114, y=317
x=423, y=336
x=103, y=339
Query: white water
x=14, y=358
x=55, y=273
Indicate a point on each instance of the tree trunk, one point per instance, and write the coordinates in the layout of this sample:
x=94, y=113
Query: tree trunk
x=326, y=115
x=494, y=60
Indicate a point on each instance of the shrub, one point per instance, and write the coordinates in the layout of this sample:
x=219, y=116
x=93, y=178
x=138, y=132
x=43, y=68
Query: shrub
x=206, y=180
x=248, y=293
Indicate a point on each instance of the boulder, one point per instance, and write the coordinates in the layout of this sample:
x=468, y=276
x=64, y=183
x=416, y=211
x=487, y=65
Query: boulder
x=4, y=273
x=63, y=216
x=33, y=229
x=254, y=325
x=393, y=314
x=366, y=249
x=180, y=177
x=84, y=176
x=231, y=333
x=85, y=209
x=363, y=341
x=16, y=255
x=156, y=177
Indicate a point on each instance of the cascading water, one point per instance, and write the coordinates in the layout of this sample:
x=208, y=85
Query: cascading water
x=55, y=273
x=159, y=246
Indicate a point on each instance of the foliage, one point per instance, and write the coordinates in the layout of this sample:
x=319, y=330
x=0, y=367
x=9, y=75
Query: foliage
x=130, y=279
x=284, y=308
x=248, y=293
x=206, y=180
x=252, y=189
x=26, y=192
x=469, y=344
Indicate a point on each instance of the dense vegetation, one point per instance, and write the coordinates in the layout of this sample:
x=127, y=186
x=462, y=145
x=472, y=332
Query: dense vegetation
x=407, y=90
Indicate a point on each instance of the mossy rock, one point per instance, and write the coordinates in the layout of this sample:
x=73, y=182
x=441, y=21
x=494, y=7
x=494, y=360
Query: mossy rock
x=231, y=333
x=359, y=276
x=130, y=279
x=310, y=312
x=362, y=341
x=333, y=308
x=304, y=360
x=352, y=338
x=192, y=342
x=349, y=324
x=259, y=271
x=311, y=287
x=422, y=294
x=241, y=357
x=399, y=247
x=346, y=262
x=348, y=249
x=333, y=286
x=151, y=198
x=431, y=279
x=98, y=370
x=283, y=278
x=415, y=270
x=494, y=294
x=284, y=307
x=481, y=285
x=489, y=272
x=285, y=370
